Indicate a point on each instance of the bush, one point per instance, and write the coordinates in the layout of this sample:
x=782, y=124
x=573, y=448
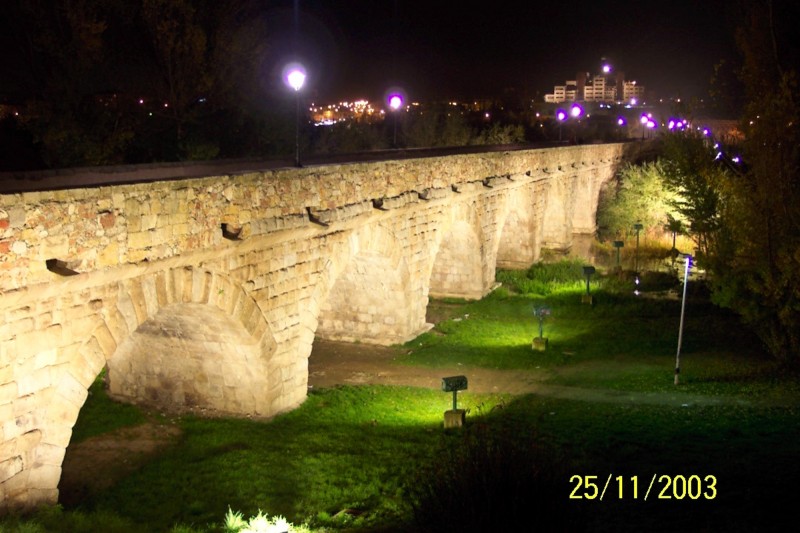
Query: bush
x=545, y=278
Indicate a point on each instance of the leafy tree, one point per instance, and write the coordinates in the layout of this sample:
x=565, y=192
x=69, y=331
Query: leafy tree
x=70, y=115
x=501, y=134
x=757, y=262
x=638, y=194
x=691, y=169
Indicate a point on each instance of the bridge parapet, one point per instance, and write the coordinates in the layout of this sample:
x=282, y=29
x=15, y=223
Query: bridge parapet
x=90, y=229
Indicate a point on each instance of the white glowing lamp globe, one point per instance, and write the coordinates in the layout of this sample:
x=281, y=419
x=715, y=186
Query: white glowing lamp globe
x=395, y=101
x=296, y=78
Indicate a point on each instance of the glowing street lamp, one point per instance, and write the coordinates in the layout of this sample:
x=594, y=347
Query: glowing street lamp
x=621, y=122
x=561, y=116
x=576, y=111
x=643, y=121
x=295, y=77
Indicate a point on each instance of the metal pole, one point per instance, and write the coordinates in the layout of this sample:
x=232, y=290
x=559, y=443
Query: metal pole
x=455, y=402
x=680, y=327
x=297, y=130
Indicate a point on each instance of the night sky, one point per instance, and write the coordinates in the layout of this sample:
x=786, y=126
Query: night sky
x=438, y=49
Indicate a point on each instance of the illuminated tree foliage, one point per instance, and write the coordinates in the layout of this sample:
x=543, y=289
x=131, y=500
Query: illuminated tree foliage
x=696, y=177
x=638, y=194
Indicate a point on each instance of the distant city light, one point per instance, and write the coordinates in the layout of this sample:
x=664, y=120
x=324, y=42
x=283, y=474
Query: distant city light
x=561, y=115
x=606, y=69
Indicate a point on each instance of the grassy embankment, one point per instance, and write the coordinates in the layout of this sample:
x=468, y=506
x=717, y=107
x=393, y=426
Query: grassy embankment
x=355, y=458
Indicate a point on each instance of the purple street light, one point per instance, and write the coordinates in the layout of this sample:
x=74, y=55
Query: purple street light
x=643, y=121
x=395, y=102
x=576, y=111
x=621, y=122
x=561, y=116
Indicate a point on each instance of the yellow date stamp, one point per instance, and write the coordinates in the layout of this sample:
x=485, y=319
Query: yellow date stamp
x=660, y=486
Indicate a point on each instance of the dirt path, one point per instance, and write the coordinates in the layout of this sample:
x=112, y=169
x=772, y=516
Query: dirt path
x=335, y=363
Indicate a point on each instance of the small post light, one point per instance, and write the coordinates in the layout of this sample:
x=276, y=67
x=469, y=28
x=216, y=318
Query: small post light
x=618, y=245
x=637, y=228
x=455, y=417
x=540, y=343
x=588, y=270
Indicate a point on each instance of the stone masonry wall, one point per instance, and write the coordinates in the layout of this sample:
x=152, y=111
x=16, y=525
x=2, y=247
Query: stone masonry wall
x=86, y=273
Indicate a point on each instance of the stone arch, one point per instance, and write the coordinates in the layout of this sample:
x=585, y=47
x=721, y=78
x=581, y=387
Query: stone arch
x=370, y=296
x=519, y=240
x=556, y=222
x=216, y=344
x=164, y=294
x=458, y=267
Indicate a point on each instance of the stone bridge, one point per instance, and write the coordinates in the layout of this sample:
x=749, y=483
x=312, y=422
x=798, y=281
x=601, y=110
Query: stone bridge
x=208, y=292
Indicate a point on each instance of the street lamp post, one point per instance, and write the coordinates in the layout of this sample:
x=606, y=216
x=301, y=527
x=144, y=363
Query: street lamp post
x=637, y=227
x=618, y=245
x=688, y=259
x=296, y=78
x=561, y=116
x=395, y=101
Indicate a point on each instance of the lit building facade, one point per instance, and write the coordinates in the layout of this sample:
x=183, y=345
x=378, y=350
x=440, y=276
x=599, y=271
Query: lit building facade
x=605, y=88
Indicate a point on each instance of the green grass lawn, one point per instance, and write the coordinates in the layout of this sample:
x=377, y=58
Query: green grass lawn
x=356, y=458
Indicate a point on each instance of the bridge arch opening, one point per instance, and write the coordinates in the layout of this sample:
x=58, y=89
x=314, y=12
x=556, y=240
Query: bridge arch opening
x=189, y=356
x=371, y=299
x=458, y=267
x=520, y=237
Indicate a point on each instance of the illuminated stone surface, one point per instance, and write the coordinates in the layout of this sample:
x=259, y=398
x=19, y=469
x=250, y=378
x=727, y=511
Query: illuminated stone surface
x=186, y=318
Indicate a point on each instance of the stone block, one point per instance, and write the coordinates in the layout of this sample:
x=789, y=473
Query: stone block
x=57, y=434
x=69, y=389
x=8, y=392
x=50, y=454
x=44, y=476
x=10, y=468
x=34, y=381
